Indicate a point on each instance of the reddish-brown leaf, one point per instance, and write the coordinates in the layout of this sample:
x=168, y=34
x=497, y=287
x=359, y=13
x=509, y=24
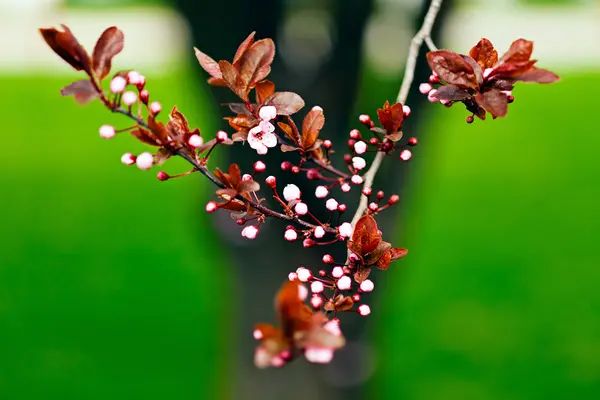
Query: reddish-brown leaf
x=208, y=64
x=264, y=90
x=509, y=70
x=243, y=47
x=242, y=122
x=285, y=148
x=248, y=186
x=158, y=129
x=397, y=253
x=177, y=125
x=493, y=101
x=286, y=103
x=343, y=303
x=311, y=126
x=216, y=81
x=239, y=108
x=373, y=257
x=519, y=51
x=384, y=261
x=235, y=175
x=484, y=54
x=145, y=136
x=66, y=46
x=366, y=237
x=255, y=64
x=362, y=273
x=451, y=92
x=232, y=77
x=452, y=68
x=83, y=91
x=162, y=155
x=109, y=44
x=391, y=117
x=537, y=75
x=293, y=314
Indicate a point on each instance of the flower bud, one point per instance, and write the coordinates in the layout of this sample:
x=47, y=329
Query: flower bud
x=107, y=131
x=250, y=232
x=155, y=107
x=291, y=192
x=128, y=159
x=129, y=98
x=364, y=310
x=259, y=167
x=118, y=84
x=221, y=136
x=321, y=192
x=211, y=207
x=271, y=181
x=360, y=147
x=328, y=259
x=162, y=176
x=344, y=283
x=405, y=155
x=290, y=235
x=145, y=161
x=195, y=140
x=345, y=230
x=286, y=166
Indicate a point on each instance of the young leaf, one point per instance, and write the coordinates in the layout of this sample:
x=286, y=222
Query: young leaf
x=232, y=77
x=83, y=91
x=255, y=64
x=109, y=44
x=484, y=54
x=311, y=126
x=145, y=136
x=519, y=51
x=391, y=117
x=452, y=93
x=452, y=68
x=264, y=90
x=537, y=75
x=243, y=47
x=494, y=101
x=286, y=103
x=208, y=64
x=66, y=46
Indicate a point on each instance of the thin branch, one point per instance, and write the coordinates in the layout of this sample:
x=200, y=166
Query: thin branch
x=424, y=34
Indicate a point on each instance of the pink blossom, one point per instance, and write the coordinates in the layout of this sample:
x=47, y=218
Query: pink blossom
x=405, y=155
x=304, y=274
x=155, y=107
x=195, y=140
x=317, y=287
x=337, y=272
x=318, y=355
x=302, y=291
x=261, y=137
x=107, y=131
x=134, y=77
x=145, y=160
x=327, y=259
x=211, y=206
x=128, y=159
x=431, y=96
x=221, y=136
x=291, y=192
x=321, y=192
x=344, y=283
x=292, y=276
x=367, y=285
x=129, y=98
x=319, y=232
x=406, y=110
x=331, y=204
x=250, y=232
x=301, y=208
x=345, y=187
x=118, y=84
x=360, y=147
x=356, y=179
x=259, y=166
x=316, y=301
x=364, y=310
x=425, y=88
x=345, y=230
x=290, y=235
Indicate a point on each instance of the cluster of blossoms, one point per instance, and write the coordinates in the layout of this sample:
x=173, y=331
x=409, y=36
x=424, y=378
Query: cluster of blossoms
x=310, y=302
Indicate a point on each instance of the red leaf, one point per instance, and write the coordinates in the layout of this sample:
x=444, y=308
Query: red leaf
x=83, y=91
x=311, y=126
x=145, y=136
x=391, y=117
x=285, y=148
x=452, y=93
x=484, y=54
x=264, y=90
x=158, y=129
x=109, y=44
x=537, y=75
x=511, y=69
x=66, y=46
x=243, y=47
x=452, y=68
x=397, y=253
x=366, y=236
x=520, y=51
x=208, y=64
x=494, y=101
x=255, y=64
x=232, y=77
x=286, y=103
x=293, y=314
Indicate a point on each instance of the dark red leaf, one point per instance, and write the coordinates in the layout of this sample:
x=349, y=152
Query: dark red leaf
x=264, y=90
x=109, y=44
x=361, y=274
x=452, y=93
x=391, y=117
x=286, y=103
x=83, y=91
x=238, y=108
x=311, y=126
x=484, y=54
x=397, y=253
x=287, y=148
x=255, y=63
x=511, y=69
x=452, y=68
x=537, y=75
x=145, y=136
x=384, y=261
x=158, y=129
x=494, y=101
x=66, y=46
x=243, y=47
x=293, y=314
x=232, y=77
x=248, y=186
x=208, y=64
x=366, y=236
x=520, y=51
x=373, y=257
x=162, y=155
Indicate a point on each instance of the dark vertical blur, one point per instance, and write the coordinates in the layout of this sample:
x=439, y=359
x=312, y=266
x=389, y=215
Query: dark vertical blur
x=331, y=80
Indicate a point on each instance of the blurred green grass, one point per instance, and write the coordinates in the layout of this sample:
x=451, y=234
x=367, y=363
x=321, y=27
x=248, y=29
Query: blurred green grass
x=107, y=286
x=498, y=298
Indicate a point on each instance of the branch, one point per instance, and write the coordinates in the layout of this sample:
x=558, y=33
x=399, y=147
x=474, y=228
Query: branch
x=424, y=34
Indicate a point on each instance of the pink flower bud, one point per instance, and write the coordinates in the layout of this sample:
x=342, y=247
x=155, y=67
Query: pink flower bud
x=373, y=141
x=246, y=177
x=141, y=82
x=360, y=147
x=258, y=335
x=118, y=84
x=317, y=287
x=306, y=243
x=345, y=187
x=195, y=140
x=162, y=176
x=222, y=136
x=337, y=272
x=406, y=111
x=259, y=167
x=470, y=119
x=413, y=141
x=211, y=207
x=380, y=194
x=393, y=199
x=328, y=259
x=353, y=258
x=128, y=159
x=356, y=179
x=291, y=192
x=134, y=77
x=331, y=204
x=373, y=206
x=355, y=134
x=367, y=285
x=144, y=96
x=129, y=98
x=367, y=191
x=295, y=169
x=425, y=88
x=444, y=102
x=292, y=276
x=271, y=181
x=356, y=297
x=344, y=283
x=316, y=301
x=317, y=108
x=145, y=161
x=286, y=166
x=250, y=232
x=321, y=192
x=290, y=235
x=319, y=232
x=434, y=78
x=345, y=230
x=405, y=155
x=304, y=274
x=364, y=310
x=155, y=107
x=351, y=143
x=364, y=119
x=431, y=96
x=107, y=131
x=327, y=144
x=342, y=208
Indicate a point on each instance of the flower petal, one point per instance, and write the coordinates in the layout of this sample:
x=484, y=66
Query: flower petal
x=261, y=149
x=254, y=141
x=269, y=139
x=267, y=113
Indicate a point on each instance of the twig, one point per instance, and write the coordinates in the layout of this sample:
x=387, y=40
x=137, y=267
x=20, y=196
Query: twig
x=424, y=34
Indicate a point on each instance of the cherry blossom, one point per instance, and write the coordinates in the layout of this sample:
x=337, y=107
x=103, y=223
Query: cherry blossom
x=261, y=137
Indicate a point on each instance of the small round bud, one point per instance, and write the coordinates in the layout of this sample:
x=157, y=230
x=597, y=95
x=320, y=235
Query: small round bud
x=511, y=99
x=345, y=230
x=155, y=107
x=295, y=169
x=134, y=77
x=316, y=301
x=304, y=274
x=393, y=199
x=221, y=136
x=373, y=141
x=286, y=166
x=271, y=181
x=128, y=159
x=322, y=272
x=118, y=84
x=162, y=176
x=246, y=177
x=321, y=192
x=313, y=174
x=145, y=161
x=327, y=259
x=413, y=141
x=327, y=144
x=434, y=78
x=344, y=283
x=129, y=98
x=331, y=204
x=358, y=163
x=364, y=310
x=355, y=134
x=373, y=206
x=250, y=232
x=292, y=276
x=356, y=179
x=107, y=131
x=470, y=119
x=342, y=208
x=211, y=207
x=405, y=155
x=308, y=243
x=302, y=292
x=356, y=297
x=431, y=96
x=367, y=285
x=259, y=167
x=319, y=232
x=387, y=146
x=290, y=235
x=367, y=191
x=406, y=111
x=425, y=88
x=380, y=194
x=345, y=187
x=365, y=119
x=337, y=272
x=195, y=140
x=351, y=143
x=317, y=287
x=346, y=270
x=347, y=158
x=141, y=83
x=445, y=102
x=241, y=221
x=360, y=147
x=301, y=208
x=144, y=96
x=291, y=192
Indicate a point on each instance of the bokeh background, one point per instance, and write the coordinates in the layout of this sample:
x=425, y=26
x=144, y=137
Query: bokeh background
x=116, y=286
